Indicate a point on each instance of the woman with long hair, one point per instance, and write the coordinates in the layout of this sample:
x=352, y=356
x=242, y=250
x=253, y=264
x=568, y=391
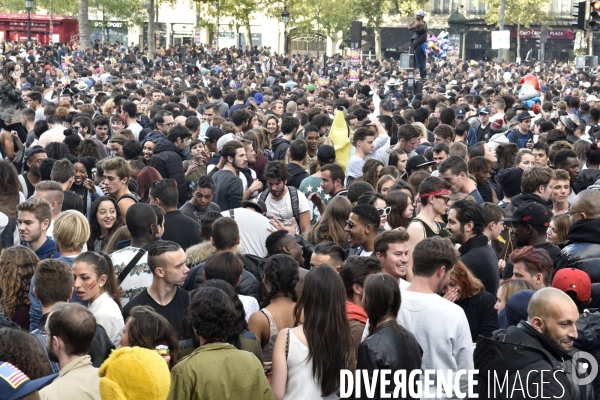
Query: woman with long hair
x=105, y=219
x=10, y=194
x=307, y=359
x=281, y=277
x=398, y=159
x=95, y=281
x=507, y=289
x=11, y=101
x=17, y=265
x=146, y=177
x=384, y=184
x=468, y=292
x=371, y=170
x=195, y=168
x=381, y=301
x=83, y=185
x=260, y=163
x=559, y=229
x=148, y=329
x=402, y=210
x=330, y=228
x=24, y=351
x=271, y=123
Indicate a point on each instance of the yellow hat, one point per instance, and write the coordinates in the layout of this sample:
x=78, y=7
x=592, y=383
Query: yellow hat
x=134, y=373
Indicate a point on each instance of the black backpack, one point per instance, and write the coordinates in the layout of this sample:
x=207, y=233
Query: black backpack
x=293, y=198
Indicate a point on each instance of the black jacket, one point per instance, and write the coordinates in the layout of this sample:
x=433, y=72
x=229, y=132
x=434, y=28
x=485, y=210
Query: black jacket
x=520, y=352
x=481, y=259
x=389, y=347
x=181, y=229
x=480, y=312
x=587, y=177
x=280, y=147
x=248, y=286
x=581, y=250
x=296, y=174
x=168, y=161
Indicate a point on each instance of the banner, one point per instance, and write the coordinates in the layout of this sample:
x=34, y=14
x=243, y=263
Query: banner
x=353, y=75
x=197, y=38
x=354, y=57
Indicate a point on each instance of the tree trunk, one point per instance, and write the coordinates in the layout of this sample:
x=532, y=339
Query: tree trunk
x=84, y=26
x=151, y=38
x=248, y=34
x=377, y=32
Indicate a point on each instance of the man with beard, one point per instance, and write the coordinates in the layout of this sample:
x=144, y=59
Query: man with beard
x=465, y=227
x=530, y=222
x=440, y=326
x=229, y=189
x=392, y=249
x=31, y=177
x=70, y=329
x=362, y=228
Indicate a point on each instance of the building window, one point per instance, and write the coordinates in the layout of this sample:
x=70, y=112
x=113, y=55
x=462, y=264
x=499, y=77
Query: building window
x=444, y=6
x=476, y=8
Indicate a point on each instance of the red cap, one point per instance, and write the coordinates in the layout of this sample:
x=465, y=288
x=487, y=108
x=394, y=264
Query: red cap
x=574, y=280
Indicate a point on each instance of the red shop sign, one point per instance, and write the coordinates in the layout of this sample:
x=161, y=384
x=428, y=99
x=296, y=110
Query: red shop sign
x=552, y=34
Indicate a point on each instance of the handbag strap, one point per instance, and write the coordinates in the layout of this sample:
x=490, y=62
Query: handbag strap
x=132, y=263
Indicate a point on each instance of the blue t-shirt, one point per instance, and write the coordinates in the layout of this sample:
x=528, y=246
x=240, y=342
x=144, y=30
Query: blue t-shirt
x=521, y=139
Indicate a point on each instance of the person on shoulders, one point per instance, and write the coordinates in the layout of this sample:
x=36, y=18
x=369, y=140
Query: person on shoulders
x=165, y=295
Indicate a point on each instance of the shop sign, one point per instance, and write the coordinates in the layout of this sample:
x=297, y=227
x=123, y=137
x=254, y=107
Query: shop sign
x=109, y=24
x=552, y=34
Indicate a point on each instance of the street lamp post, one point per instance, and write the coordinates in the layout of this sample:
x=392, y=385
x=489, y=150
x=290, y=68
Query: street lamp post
x=285, y=17
x=29, y=6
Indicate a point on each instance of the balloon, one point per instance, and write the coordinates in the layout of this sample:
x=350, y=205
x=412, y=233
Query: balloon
x=430, y=45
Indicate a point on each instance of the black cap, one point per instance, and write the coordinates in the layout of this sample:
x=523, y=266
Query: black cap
x=417, y=162
x=29, y=152
x=326, y=154
x=256, y=204
x=214, y=133
x=532, y=214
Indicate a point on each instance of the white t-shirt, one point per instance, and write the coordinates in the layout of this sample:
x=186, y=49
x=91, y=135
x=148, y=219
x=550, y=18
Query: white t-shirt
x=254, y=230
x=354, y=167
x=250, y=305
x=136, y=129
x=283, y=211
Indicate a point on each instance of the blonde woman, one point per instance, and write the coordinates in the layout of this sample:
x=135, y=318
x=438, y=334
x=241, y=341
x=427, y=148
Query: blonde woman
x=109, y=107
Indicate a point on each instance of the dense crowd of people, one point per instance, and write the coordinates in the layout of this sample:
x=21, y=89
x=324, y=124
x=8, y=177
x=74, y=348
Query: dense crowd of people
x=245, y=225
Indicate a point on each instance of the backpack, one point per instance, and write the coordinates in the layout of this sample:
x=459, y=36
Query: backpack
x=8, y=234
x=293, y=198
x=291, y=176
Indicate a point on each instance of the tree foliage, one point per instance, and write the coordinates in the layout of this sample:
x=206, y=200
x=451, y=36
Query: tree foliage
x=518, y=12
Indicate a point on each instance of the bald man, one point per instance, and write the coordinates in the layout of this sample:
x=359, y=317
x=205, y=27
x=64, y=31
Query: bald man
x=533, y=355
x=180, y=120
x=582, y=250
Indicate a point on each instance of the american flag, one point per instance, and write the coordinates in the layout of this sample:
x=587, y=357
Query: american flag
x=12, y=375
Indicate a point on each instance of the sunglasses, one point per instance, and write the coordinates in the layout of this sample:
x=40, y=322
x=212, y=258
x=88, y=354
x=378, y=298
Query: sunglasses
x=384, y=211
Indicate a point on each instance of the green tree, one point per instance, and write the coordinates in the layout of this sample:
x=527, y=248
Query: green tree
x=373, y=11
x=520, y=13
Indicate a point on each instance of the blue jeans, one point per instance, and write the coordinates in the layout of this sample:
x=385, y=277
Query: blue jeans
x=420, y=61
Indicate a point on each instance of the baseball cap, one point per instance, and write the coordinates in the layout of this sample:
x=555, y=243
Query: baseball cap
x=14, y=384
x=484, y=110
x=416, y=162
x=33, y=150
x=573, y=280
x=570, y=121
x=326, y=154
x=224, y=139
x=420, y=13
x=523, y=116
x=214, y=133
x=258, y=99
x=256, y=204
x=531, y=213
x=591, y=97
x=310, y=87
x=460, y=112
x=516, y=309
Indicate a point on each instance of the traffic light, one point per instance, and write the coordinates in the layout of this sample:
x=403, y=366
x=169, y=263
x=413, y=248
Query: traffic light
x=579, y=14
x=595, y=15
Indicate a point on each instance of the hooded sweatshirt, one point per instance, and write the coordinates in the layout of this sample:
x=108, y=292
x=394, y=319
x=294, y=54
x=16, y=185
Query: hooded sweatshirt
x=587, y=177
